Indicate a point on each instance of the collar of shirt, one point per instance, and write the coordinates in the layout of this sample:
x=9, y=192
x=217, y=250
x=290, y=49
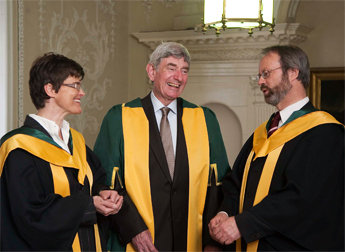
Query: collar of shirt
x=157, y=105
x=172, y=116
x=287, y=112
x=53, y=130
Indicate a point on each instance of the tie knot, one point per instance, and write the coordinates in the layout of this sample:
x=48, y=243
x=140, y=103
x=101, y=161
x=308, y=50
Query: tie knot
x=276, y=117
x=165, y=111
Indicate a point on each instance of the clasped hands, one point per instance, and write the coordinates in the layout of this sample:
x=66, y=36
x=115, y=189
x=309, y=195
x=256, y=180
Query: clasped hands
x=224, y=229
x=108, y=202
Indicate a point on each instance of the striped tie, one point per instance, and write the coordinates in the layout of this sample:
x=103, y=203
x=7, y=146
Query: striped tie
x=274, y=124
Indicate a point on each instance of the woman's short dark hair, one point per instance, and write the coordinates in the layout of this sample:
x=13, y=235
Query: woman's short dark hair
x=54, y=69
x=292, y=57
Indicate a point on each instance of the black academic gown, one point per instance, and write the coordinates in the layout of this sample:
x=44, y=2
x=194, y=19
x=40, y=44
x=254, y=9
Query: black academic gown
x=33, y=217
x=304, y=209
x=169, y=198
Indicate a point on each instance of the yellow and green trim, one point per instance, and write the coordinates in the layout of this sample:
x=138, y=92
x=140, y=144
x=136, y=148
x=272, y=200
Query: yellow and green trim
x=26, y=139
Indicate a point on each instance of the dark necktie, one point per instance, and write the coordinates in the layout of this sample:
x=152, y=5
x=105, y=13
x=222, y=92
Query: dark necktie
x=167, y=140
x=274, y=124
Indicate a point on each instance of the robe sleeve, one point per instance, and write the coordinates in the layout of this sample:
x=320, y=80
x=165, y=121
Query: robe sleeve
x=99, y=174
x=109, y=148
x=219, y=166
x=232, y=181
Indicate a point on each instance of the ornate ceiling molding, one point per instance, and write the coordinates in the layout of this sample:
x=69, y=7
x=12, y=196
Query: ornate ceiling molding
x=230, y=45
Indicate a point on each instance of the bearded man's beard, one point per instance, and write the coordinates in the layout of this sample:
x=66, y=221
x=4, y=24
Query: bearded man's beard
x=276, y=94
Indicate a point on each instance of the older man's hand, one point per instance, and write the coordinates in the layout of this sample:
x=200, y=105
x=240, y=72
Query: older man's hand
x=224, y=229
x=219, y=218
x=143, y=242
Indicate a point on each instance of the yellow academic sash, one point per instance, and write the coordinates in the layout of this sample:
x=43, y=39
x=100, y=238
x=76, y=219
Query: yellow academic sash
x=272, y=146
x=195, y=131
x=136, y=133
x=58, y=159
x=137, y=179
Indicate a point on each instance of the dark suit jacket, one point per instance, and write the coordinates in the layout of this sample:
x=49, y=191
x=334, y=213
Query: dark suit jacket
x=169, y=198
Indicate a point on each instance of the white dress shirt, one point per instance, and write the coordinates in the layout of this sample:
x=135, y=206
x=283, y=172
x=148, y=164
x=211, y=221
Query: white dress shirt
x=53, y=129
x=287, y=112
x=172, y=116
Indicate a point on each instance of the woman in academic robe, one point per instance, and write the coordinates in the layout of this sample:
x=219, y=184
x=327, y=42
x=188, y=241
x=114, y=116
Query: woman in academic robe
x=52, y=184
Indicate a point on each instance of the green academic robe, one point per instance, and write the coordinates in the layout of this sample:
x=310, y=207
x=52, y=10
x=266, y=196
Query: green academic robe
x=131, y=151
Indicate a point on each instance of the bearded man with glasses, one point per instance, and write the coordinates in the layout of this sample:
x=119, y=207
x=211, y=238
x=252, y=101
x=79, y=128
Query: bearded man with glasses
x=286, y=189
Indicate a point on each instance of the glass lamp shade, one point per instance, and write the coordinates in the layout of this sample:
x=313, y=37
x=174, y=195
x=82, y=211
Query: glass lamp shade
x=238, y=13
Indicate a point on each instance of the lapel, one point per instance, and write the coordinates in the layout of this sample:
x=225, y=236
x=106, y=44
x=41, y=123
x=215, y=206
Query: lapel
x=181, y=148
x=156, y=145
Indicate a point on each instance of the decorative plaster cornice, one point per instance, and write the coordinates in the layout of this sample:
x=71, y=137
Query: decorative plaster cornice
x=225, y=54
x=223, y=68
x=232, y=44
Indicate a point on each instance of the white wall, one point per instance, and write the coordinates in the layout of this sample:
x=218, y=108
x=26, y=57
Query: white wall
x=5, y=76
x=230, y=127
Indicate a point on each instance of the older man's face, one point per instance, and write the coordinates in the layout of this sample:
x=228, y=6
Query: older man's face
x=170, y=79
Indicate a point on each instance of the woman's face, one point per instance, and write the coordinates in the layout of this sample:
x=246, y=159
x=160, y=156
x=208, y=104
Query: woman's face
x=68, y=97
